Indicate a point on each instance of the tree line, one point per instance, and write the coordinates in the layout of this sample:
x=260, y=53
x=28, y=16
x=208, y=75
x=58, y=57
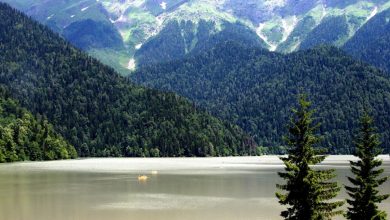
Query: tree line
x=309, y=193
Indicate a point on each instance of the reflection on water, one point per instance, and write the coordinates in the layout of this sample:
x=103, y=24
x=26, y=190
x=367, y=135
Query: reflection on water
x=225, y=189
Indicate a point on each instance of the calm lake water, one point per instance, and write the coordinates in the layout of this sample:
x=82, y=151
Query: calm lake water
x=191, y=188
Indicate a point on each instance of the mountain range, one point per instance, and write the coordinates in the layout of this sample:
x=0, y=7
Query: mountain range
x=121, y=33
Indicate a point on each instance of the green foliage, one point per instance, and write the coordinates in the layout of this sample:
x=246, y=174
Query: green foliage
x=331, y=31
x=308, y=190
x=98, y=111
x=23, y=137
x=253, y=88
x=371, y=42
x=367, y=177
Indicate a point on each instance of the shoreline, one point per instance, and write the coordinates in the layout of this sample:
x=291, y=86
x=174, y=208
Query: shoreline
x=132, y=165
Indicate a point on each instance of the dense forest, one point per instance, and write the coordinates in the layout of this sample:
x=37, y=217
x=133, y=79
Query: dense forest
x=177, y=39
x=331, y=31
x=253, y=88
x=98, y=111
x=24, y=137
x=371, y=42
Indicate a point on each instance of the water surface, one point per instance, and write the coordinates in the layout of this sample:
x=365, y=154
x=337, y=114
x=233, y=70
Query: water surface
x=189, y=188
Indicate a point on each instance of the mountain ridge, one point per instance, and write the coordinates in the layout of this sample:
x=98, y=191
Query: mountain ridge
x=282, y=24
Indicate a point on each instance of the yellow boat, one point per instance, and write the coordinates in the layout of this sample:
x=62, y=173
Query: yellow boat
x=142, y=178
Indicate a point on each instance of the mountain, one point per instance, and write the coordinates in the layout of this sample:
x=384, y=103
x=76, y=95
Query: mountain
x=280, y=25
x=25, y=137
x=332, y=30
x=98, y=111
x=371, y=42
x=255, y=88
x=170, y=44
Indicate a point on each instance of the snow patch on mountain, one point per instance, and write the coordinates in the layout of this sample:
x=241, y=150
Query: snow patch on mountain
x=85, y=8
x=138, y=46
x=163, y=5
x=373, y=13
x=49, y=17
x=259, y=31
x=131, y=65
x=324, y=12
x=288, y=26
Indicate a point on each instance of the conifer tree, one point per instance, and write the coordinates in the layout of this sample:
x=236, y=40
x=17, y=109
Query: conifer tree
x=366, y=180
x=307, y=190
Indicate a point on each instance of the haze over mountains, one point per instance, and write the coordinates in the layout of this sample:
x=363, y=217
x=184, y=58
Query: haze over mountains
x=126, y=26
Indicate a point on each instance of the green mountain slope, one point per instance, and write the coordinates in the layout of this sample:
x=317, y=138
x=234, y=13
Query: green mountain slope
x=255, y=88
x=177, y=40
x=371, y=42
x=95, y=109
x=24, y=137
x=332, y=31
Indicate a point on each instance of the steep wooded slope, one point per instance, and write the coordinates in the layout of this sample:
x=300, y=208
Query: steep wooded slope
x=94, y=108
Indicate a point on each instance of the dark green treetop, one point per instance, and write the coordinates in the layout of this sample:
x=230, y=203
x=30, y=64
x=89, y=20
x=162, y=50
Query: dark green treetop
x=308, y=190
x=367, y=177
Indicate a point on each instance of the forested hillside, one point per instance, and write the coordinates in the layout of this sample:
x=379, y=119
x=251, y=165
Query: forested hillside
x=371, y=42
x=254, y=89
x=24, y=137
x=98, y=111
x=332, y=31
x=177, y=40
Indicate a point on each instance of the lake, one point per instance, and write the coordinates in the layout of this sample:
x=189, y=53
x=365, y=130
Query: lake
x=177, y=188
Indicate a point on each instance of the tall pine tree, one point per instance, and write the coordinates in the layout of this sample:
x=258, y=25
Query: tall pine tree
x=308, y=190
x=364, y=192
